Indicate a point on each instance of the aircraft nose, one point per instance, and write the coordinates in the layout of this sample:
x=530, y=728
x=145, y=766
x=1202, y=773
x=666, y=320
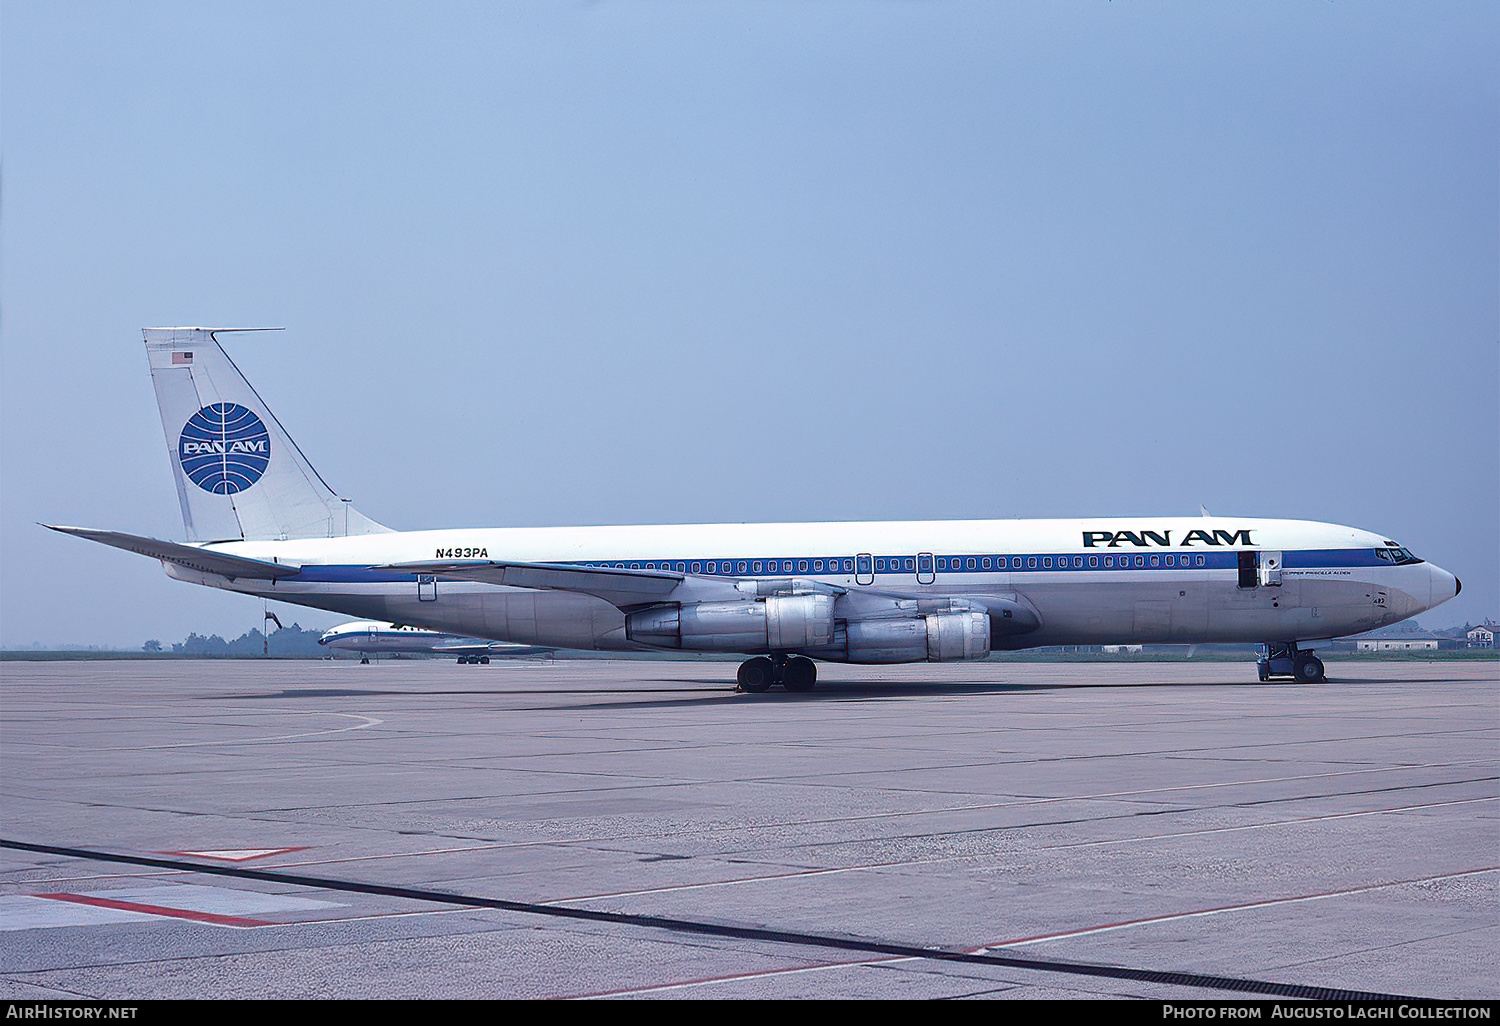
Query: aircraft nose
x=1444, y=585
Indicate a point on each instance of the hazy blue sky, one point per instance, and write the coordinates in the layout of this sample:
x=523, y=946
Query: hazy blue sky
x=676, y=262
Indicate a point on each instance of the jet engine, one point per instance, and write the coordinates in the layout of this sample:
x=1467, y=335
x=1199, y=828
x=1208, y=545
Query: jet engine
x=936, y=638
x=779, y=623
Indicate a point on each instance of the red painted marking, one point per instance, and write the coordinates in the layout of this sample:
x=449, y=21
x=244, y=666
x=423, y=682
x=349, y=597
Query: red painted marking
x=157, y=910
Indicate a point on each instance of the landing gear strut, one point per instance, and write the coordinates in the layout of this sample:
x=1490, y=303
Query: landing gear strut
x=795, y=673
x=1284, y=659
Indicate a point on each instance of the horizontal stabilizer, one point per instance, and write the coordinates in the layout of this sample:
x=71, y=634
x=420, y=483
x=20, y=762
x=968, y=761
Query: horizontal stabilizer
x=203, y=560
x=614, y=585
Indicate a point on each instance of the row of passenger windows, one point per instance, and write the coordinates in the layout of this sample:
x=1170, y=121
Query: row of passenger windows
x=908, y=564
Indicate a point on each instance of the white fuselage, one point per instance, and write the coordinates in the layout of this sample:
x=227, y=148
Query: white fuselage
x=1070, y=582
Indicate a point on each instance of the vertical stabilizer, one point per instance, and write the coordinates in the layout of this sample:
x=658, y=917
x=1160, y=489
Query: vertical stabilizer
x=239, y=474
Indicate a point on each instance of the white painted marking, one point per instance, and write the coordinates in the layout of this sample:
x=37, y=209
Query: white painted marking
x=28, y=912
x=24, y=912
x=235, y=854
x=367, y=721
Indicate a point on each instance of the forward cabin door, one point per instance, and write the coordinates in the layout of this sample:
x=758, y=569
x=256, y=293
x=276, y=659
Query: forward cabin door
x=1249, y=572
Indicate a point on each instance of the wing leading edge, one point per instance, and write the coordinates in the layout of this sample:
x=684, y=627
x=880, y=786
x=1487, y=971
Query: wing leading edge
x=617, y=586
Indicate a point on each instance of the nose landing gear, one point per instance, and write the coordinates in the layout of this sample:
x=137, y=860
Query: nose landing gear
x=1284, y=659
x=795, y=673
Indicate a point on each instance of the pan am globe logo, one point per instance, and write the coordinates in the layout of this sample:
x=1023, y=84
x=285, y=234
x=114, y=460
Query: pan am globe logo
x=224, y=448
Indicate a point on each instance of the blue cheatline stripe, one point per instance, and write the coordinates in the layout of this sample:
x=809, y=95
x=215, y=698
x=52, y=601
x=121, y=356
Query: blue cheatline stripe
x=333, y=573
x=887, y=565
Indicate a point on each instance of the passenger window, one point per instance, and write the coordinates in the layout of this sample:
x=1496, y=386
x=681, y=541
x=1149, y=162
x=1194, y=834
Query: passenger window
x=1200, y=560
x=742, y=566
x=1156, y=561
x=1078, y=561
x=1093, y=561
x=971, y=563
x=986, y=562
x=802, y=565
x=696, y=567
x=1031, y=562
x=1140, y=560
x=1047, y=562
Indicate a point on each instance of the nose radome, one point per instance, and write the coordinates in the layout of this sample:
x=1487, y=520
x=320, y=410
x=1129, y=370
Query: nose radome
x=1444, y=585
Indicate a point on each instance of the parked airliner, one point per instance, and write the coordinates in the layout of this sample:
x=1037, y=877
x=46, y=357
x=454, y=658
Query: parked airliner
x=261, y=521
x=376, y=637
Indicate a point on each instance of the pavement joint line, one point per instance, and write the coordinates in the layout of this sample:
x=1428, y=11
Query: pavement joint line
x=1019, y=802
x=753, y=933
x=1245, y=906
x=708, y=981
x=1274, y=823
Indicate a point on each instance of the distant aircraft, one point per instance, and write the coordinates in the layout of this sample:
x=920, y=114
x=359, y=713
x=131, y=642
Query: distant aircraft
x=261, y=521
x=375, y=636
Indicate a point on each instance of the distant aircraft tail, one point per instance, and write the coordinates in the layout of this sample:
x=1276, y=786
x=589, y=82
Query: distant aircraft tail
x=239, y=474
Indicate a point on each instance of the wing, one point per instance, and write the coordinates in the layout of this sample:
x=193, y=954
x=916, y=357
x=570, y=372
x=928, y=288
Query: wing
x=194, y=558
x=491, y=648
x=615, y=585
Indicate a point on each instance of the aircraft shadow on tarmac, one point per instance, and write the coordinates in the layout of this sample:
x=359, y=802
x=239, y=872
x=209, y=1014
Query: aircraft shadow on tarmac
x=680, y=692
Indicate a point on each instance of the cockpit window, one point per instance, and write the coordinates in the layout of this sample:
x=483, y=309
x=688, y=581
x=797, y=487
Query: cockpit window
x=1399, y=556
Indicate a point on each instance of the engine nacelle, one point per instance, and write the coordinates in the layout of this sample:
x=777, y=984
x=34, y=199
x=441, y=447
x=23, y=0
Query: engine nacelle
x=936, y=638
x=780, y=623
x=953, y=636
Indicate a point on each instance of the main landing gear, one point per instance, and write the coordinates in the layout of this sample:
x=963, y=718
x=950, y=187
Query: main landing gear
x=476, y=660
x=1283, y=659
x=794, y=673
